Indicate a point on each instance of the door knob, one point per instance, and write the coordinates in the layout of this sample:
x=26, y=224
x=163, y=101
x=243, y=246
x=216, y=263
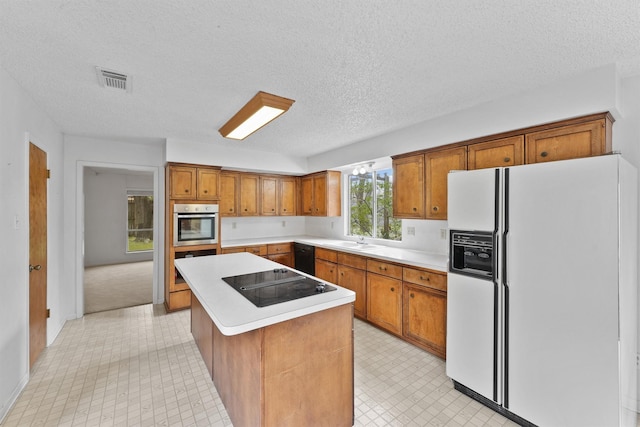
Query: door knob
x=34, y=267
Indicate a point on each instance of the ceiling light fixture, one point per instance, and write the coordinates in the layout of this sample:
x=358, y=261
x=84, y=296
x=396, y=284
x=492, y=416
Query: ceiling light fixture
x=259, y=111
x=363, y=169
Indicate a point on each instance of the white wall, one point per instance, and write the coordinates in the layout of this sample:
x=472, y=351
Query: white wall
x=105, y=217
x=80, y=152
x=233, y=156
x=22, y=121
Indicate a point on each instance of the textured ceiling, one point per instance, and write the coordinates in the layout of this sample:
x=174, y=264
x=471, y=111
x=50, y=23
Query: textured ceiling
x=356, y=69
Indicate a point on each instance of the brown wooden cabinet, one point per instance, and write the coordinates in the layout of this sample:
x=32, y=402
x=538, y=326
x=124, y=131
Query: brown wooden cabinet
x=326, y=265
x=569, y=142
x=425, y=317
x=229, y=192
x=384, y=295
x=438, y=165
x=497, y=153
x=408, y=187
x=287, y=196
x=249, y=184
x=320, y=194
x=193, y=182
x=424, y=309
x=281, y=253
x=268, y=195
x=352, y=274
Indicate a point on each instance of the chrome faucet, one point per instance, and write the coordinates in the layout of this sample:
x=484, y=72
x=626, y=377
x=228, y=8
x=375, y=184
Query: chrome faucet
x=361, y=240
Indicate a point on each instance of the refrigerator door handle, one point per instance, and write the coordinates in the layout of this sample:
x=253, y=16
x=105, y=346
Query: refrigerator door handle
x=505, y=285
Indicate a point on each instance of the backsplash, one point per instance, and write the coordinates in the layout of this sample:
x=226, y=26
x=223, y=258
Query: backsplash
x=233, y=228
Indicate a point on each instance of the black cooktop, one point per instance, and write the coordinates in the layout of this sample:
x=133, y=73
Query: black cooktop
x=275, y=286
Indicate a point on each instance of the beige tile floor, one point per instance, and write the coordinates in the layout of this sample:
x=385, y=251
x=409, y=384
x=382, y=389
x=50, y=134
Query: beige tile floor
x=140, y=367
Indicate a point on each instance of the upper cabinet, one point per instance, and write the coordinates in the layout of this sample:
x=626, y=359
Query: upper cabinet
x=193, y=182
x=408, y=173
x=320, y=194
x=249, y=184
x=287, y=195
x=229, y=190
x=497, y=153
x=268, y=195
x=569, y=142
x=438, y=165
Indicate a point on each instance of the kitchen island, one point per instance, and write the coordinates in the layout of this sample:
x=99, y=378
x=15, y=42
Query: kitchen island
x=284, y=364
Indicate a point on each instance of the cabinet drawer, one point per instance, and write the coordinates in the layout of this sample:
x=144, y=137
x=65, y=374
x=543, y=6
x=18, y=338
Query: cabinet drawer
x=326, y=254
x=232, y=250
x=384, y=268
x=260, y=250
x=278, y=248
x=425, y=278
x=354, y=261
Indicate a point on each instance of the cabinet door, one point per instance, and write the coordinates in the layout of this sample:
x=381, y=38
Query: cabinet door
x=438, y=165
x=229, y=183
x=425, y=317
x=182, y=182
x=408, y=187
x=320, y=195
x=384, y=302
x=208, y=184
x=306, y=189
x=284, y=259
x=249, y=195
x=326, y=270
x=268, y=195
x=355, y=280
x=567, y=142
x=287, y=196
x=498, y=153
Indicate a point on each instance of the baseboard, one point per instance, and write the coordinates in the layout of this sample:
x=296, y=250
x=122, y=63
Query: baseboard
x=6, y=407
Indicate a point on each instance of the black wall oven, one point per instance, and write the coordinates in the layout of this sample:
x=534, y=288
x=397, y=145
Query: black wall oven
x=195, y=224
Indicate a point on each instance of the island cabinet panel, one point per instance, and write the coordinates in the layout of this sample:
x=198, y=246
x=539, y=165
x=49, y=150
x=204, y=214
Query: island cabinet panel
x=294, y=373
x=319, y=349
x=497, y=153
x=202, y=331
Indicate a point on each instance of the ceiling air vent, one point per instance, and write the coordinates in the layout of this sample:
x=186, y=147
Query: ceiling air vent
x=113, y=79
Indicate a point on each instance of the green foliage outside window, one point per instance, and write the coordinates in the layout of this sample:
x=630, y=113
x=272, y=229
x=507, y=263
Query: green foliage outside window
x=139, y=222
x=371, y=206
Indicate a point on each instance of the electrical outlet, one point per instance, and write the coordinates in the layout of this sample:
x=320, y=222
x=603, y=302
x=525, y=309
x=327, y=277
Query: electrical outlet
x=284, y=223
x=233, y=225
x=411, y=231
x=443, y=233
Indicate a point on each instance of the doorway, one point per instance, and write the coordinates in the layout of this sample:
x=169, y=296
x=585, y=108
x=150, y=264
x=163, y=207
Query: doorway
x=38, y=315
x=119, y=218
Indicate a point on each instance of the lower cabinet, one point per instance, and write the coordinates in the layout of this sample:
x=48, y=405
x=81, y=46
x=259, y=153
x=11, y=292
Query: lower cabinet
x=424, y=314
x=384, y=302
x=355, y=280
x=279, y=252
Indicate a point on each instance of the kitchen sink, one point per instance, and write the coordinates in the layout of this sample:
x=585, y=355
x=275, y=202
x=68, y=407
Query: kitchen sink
x=354, y=245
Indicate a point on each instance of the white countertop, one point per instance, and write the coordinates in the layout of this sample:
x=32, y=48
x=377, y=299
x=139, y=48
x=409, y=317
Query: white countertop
x=411, y=257
x=231, y=312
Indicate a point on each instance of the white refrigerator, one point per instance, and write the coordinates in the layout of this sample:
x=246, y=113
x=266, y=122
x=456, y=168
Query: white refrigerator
x=548, y=336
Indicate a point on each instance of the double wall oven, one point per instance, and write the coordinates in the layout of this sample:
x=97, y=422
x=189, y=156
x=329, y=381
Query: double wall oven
x=195, y=224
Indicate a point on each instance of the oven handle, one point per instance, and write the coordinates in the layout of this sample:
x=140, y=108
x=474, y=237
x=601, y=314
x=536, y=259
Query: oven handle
x=180, y=215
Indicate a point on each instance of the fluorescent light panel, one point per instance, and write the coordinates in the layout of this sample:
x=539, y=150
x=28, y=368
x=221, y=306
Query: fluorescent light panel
x=260, y=110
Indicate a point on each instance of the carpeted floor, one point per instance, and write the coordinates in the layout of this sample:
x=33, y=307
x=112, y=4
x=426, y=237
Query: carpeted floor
x=107, y=287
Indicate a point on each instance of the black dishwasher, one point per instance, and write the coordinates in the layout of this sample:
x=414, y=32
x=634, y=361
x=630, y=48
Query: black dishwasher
x=305, y=258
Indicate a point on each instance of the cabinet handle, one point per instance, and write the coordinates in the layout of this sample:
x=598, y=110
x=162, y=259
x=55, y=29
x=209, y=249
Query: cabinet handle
x=544, y=154
x=245, y=209
x=206, y=191
x=186, y=190
x=342, y=273
x=34, y=267
x=435, y=209
x=415, y=209
x=393, y=289
x=285, y=210
x=507, y=159
x=383, y=268
x=425, y=278
x=411, y=295
x=230, y=209
x=272, y=209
